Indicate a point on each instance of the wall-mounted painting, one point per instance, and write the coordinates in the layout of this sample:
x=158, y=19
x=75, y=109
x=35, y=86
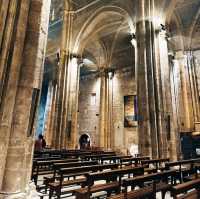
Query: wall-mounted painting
x=130, y=111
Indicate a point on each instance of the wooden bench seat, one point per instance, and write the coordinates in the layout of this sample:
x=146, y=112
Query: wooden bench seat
x=136, y=194
x=191, y=177
x=112, y=178
x=75, y=172
x=146, y=191
x=158, y=182
x=67, y=182
x=45, y=167
x=184, y=187
x=156, y=163
x=84, y=193
x=191, y=195
x=58, y=166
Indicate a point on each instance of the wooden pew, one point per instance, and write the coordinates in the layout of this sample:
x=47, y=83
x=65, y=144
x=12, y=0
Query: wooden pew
x=47, y=158
x=182, y=171
x=159, y=182
x=97, y=157
x=112, y=178
x=156, y=163
x=74, y=172
x=114, y=159
x=45, y=167
x=185, y=187
x=74, y=154
x=133, y=160
x=58, y=166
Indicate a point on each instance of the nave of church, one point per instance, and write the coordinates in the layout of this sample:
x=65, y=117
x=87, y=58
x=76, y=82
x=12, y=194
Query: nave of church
x=100, y=99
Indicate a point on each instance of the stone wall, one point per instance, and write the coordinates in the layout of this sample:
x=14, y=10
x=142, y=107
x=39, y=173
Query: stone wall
x=88, y=113
x=122, y=84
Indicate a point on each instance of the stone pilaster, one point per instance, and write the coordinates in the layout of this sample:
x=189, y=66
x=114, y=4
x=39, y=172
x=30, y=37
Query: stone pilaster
x=111, y=136
x=24, y=81
x=48, y=114
x=52, y=118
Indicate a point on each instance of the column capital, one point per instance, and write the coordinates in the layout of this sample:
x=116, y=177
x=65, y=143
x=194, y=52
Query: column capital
x=102, y=72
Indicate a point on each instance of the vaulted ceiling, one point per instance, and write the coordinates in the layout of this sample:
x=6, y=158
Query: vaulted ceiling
x=102, y=28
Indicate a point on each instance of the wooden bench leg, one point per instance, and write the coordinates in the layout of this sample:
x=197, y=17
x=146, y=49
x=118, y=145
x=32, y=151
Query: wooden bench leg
x=58, y=193
x=82, y=196
x=50, y=193
x=163, y=193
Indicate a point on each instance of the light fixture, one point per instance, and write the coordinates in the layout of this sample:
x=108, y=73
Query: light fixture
x=133, y=39
x=111, y=74
x=163, y=28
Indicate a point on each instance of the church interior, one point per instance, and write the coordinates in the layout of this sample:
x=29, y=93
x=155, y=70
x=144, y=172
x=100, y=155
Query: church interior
x=100, y=99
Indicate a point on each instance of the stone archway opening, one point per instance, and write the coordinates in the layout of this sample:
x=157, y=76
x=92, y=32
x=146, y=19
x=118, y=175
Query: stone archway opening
x=84, y=141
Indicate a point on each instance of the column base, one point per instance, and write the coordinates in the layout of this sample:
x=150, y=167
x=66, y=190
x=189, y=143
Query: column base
x=30, y=193
x=7, y=195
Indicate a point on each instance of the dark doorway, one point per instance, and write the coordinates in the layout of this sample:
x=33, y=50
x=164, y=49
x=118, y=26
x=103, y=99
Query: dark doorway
x=188, y=145
x=84, y=141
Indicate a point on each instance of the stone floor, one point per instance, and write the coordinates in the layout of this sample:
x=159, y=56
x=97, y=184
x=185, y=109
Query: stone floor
x=158, y=196
x=100, y=195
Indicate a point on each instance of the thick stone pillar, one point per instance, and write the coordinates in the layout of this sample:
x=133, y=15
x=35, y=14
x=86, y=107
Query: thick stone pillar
x=146, y=86
x=20, y=95
x=72, y=114
x=168, y=128
x=106, y=103
x=103, y=111
x=193, y=86
x=9, y=17
x=63, y=78
x=197, y=84
x=185, y=110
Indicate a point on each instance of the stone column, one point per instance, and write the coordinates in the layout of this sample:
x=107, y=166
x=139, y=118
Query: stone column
x=193, y=86
x=185, y=111
x=103, y=110
x=72, y=103
x=197, y=72
x=146, y=86
x=24, y=78
x=197, y=85
x=63, y=78
x=9, y=16
x=167, y=125
x=110, y=111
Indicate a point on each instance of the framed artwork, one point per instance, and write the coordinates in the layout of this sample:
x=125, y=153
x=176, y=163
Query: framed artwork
x=130, y=111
